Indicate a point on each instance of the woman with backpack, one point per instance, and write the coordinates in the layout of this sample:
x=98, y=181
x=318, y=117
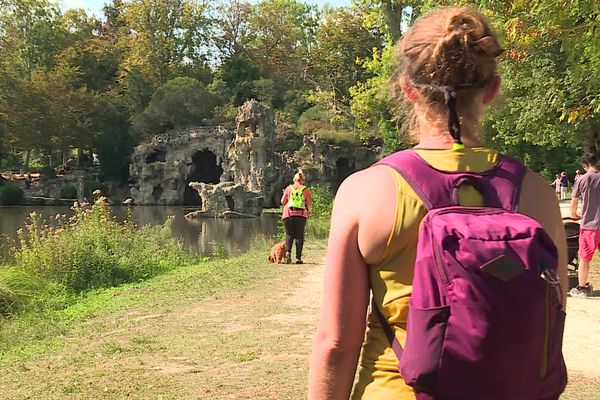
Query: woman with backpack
x=379, y=260
x=297, y=203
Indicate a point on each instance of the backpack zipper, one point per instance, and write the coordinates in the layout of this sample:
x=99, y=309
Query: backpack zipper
x=544, y=361
x=438, y=261
x=470, y=210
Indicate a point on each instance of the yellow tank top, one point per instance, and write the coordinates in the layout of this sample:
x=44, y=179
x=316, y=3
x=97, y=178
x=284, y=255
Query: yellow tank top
x=391, y=277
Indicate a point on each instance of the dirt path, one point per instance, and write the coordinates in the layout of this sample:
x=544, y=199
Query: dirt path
x=251, y=344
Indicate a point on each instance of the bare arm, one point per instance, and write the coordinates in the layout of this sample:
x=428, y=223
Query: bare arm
x=339, y=338
x=574, y=204
x=285, y=197
x=539, y=202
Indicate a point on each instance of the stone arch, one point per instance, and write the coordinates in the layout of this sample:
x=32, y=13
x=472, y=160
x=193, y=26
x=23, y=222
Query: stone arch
x=230, y=203
x=343, y=168
x=205, y=169
x=156, y=155
x=157, y=192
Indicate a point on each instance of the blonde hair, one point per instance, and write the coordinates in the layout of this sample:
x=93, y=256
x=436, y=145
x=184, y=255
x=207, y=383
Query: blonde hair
x=442, y=50
x=299, y=176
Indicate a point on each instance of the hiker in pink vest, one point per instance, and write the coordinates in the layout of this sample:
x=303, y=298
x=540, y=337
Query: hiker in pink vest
x=447, y=76
x=297, y=203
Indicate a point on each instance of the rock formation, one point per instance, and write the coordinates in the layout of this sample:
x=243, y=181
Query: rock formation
x=226, y=200
x=329, y=163
x=227, y=173
x=162, y=169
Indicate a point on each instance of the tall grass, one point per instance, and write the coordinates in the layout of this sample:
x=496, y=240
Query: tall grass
x=17, y=290
x=89, y=250
x=320, y=216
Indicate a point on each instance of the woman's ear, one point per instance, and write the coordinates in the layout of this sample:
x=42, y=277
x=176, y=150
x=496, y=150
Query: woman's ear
x=492, y=90
x=411, y=93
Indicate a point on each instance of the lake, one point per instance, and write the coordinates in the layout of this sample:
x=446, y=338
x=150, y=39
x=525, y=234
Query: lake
x=199, y=236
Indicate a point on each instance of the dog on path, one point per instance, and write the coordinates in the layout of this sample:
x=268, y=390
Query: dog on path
x=277, y=255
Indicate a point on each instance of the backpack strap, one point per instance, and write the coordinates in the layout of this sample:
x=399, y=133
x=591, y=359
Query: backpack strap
x=500, y=186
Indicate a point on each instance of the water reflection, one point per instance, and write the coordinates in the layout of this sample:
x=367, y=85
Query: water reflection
x=200, y=236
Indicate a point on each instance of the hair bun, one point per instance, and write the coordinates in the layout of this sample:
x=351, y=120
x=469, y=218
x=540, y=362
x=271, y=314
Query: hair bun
x=471, y=27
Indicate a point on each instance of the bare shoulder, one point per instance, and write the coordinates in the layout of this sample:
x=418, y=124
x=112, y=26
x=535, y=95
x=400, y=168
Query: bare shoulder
x=537, y=187
x=538, y=200
x=366, y=185
x=367, y=199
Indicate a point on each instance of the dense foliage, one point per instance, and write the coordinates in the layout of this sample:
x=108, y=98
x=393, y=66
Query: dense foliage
x=70, y=80
x=89, y=250
x=10, y=195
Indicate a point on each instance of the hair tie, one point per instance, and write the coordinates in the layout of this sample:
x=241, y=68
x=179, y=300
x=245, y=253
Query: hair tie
x=450, y=101
x=489, y=45
x=453, y=121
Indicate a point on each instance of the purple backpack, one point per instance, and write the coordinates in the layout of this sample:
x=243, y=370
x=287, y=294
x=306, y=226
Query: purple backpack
x=485, y=319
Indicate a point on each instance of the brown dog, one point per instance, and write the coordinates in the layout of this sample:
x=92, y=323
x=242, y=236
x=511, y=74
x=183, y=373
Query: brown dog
x=277, y=253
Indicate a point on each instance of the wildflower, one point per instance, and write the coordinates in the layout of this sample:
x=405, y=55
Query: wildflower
x=75, y=205
x=128, y=201
x=97, y=192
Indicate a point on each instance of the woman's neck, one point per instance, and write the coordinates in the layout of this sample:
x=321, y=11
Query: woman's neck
x=435, y=135
x=444, y=142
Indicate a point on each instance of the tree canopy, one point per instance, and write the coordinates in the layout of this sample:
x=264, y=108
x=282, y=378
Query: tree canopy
x=70, y=80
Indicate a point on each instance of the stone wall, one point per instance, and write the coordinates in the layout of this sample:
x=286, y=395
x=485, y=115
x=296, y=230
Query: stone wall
x=162, y=169
x=229, y=173
x=328, y=164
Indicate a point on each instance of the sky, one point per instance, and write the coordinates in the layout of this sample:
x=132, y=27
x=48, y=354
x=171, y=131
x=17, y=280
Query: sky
x=95, y=6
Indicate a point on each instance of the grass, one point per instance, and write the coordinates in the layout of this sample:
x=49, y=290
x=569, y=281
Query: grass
x=41, y=330
x=59, y=262
x=178, y=335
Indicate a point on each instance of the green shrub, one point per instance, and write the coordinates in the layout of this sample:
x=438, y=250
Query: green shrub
x=47, y=173
x=317, y=117
x=92, y=249
x=322, y=201
x=10, y=195
x=220, y=252
x=304, y=153
x=68, y=192
x=16, y=290
x=90, y=186
x=318, y=228
x=318, y=113
x=338, y=136
x=320, y=215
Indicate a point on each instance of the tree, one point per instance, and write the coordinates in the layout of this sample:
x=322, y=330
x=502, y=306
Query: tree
x=283, y=38
x=92, y=49
x=239, y=76
x=552, y=63
x=393, y=16
x=166, y=38
x=30, y=35
x=114, y=141
x=343, y=43
x=234, y=35
x=179, y=103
